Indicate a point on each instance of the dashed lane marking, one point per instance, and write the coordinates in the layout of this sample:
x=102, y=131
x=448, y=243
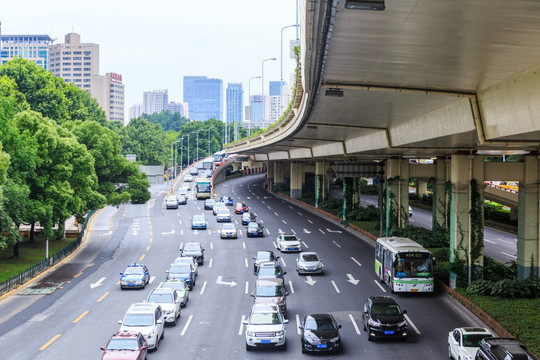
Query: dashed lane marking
x=335, y=286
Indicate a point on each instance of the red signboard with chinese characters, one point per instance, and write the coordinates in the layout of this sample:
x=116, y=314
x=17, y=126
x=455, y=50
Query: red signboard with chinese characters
x=117, y=78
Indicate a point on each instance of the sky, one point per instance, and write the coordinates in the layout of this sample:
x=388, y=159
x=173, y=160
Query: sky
x=154, y=44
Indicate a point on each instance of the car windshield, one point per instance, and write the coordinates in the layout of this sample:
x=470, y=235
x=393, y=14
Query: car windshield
x=228, y=227
x=139, y=320
x=319, y=324
x=265, y=318
x=264, y=256
x=211, y=201
x=385, y=309
x=198, y=218
x=270, y=271
x=310, y=257
x=223, y=212
x=413, y=264
x=269, y=291
x=135, y=270
x=192, y=247
x=172, y=199
x=290, y=238
x=160, y=298
x=180, y=269
x=473, y=340
x=253, y=225
x=177, y=285
x=184, y=259
x=123, y=344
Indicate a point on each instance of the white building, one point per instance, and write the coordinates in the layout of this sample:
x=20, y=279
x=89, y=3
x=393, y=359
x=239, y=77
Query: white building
x=155, y=101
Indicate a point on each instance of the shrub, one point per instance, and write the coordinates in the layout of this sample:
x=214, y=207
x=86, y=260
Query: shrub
x=441, y=254
x=441, y=271
x=495, y=271
x=330, y=205
x=369, y=213
x=480, y=287
x=511, y=288
x=282, y=188
x=425, y=237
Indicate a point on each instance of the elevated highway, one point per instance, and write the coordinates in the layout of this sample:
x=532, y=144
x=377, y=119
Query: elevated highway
x=454, y=81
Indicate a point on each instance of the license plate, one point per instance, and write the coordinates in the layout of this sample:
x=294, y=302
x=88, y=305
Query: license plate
x=131, y=284
x=322, y=346
x=389, y=332
x=265, y=341
x=414, y=290
x=292, y=249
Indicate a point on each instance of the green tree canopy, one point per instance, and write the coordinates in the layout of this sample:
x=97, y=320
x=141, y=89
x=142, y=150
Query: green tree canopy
x=145, y=140
x=167, y=120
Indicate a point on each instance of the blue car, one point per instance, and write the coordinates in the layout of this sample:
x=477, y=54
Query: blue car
x=134, y=276
x=198, y=222
x=184, y=272
x=227, y=200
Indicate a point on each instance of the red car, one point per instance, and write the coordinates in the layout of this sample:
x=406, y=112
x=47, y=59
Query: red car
x=241, y=208
x=125, y=346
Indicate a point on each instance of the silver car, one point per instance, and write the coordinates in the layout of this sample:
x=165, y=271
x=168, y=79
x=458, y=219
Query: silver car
x=217, y=206
x=228, y=231
x=309, y=263
x=171, y=202
x=223, y=215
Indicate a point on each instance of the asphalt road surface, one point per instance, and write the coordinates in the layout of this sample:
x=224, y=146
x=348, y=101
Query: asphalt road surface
x=81, y=302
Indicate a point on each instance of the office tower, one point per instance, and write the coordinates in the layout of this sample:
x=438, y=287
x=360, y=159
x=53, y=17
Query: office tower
x=179, y=107
x=272, y=109
x=30, y=47
x=257, y=110
x=276, y=87
x=204, y=97
x=75, y=62
x=155, y=101
x=135, y=111
x=234, y=102
x=108, y=90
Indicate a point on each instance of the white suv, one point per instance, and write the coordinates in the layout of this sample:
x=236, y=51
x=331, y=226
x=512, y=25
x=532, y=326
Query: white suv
x=265, y=327
x=169, y=301
x=146, y=318
x=288, y=242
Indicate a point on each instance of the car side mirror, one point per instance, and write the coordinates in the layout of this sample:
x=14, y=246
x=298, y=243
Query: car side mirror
x=297, y=259
x=202, y=249
x=286, y=321
x=284, y=273
x=159, y=321
x=286, y=293
x=244, y=322
x=122, y=274
x=404, y=311
x=300, y=327
x=252, y=295
x=102, y=348
x=144, y=348
x=166, y=271
x=339, y=326
x=119, y=322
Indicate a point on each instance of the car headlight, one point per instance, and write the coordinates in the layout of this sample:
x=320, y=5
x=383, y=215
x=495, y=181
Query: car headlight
x=334, y=339
x=465, y=357
x=373, y=322
x=250, y=333
x=150, y=335
x=301, y=266
x=279, y=333
x=139, y=282
x=403, y=323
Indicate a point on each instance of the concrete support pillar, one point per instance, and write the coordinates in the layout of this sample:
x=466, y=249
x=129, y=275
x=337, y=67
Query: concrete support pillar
x=348, y=196
x=421, y=188
x=441, y=195
x=356, y=194
x=397, y=193
x=270, y=175
x=467, y=217
x=528, y=219
x=297, y=178
x=321, y=193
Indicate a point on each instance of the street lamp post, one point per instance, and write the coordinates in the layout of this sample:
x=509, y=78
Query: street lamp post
x=281, y=68
x=249, y=102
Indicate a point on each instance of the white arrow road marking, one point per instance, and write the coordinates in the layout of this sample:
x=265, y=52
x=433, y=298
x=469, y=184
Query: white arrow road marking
x=334, y=231
x=354, y=324
x=379, y=285
x=292, y=288
x=228, y=283
x=97, y=283
x=310, y=281
x=352, y=280
x=241, y=330
x=305, y=245
x=135, y=233
x=204, y=285
x=298, y=324
x=306, y=231
x=168, y=233
x=410, y=322
x=335, y=286
x=186, y=326
x=356, y=261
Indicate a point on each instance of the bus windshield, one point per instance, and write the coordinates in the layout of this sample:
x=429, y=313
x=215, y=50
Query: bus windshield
x=203, y=187
x=413, y=264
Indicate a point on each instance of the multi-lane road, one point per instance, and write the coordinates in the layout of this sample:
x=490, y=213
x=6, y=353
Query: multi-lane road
x=72, y=311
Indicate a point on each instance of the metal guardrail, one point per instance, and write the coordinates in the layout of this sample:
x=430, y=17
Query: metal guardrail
x=44, y=264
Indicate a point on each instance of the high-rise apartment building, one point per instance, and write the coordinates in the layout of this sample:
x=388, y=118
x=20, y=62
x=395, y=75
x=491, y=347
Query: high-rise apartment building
x=204, y=97
x=30, y=47
x=75, y=62
x=135, y=111
x=108, y=90
x=234, y=102
x=155, y=101
x=272, y=109
x=179, y=107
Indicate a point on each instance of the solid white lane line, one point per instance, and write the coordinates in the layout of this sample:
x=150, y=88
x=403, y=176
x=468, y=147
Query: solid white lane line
x=354, y=324
x=203, y=287
x=356, y=261
x=336, y=244
x=294, y=232
x=247, y=287
x=275, y=213
x=283, y=262
x=379, y=285
x=186, y=326
x=506, y=241
x=507, y=254
x=321, y=231
x=245, y=259
x=210, y=264
x=292, y=288
x=305, y=245
x=311, y=222
x=298, y=324
x=335, y=286
x=243, y=243
x=410, y=322
x=241, y=330
x=489, y=241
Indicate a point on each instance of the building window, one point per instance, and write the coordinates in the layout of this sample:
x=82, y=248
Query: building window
x=87, y=69
x=66, y=58
x=77, y=58
x=87, y=52
x=87, y=58
x=77, y=80
x=76, y=53
x=77, y=64
x=66, y=53
x=87, y=74
x=87, y=80
x=86, y=85
x=87, y=64
x=77, y=74
x=66, y=69
x=77, y=69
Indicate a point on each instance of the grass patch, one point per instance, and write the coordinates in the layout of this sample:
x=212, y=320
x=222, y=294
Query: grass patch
x=29, y=254
x=519, y=316
x=370, y=226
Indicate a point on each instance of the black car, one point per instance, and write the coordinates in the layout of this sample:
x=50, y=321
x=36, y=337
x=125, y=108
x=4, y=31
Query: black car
x=195, y=250
x=502, y=349
x=255, y=229
x=320, y=333
x=382, y=317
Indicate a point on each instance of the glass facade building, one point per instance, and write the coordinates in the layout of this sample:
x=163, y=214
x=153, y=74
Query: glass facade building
x=234, y=102
x=204, y=97
x=30, y=47
x=275, y=87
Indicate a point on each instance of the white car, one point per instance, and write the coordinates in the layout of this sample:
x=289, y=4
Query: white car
x=188, y=178
x=309, y=263
x=265, y=327
x=218, y=205
x=169, y=301
x=228, y=231
x=223, y=215
x=288, y=242
x=186, y=186
x=410, y=211
x=146, y=318
x=171, y=202
x=188, y=260
x=464, y=342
